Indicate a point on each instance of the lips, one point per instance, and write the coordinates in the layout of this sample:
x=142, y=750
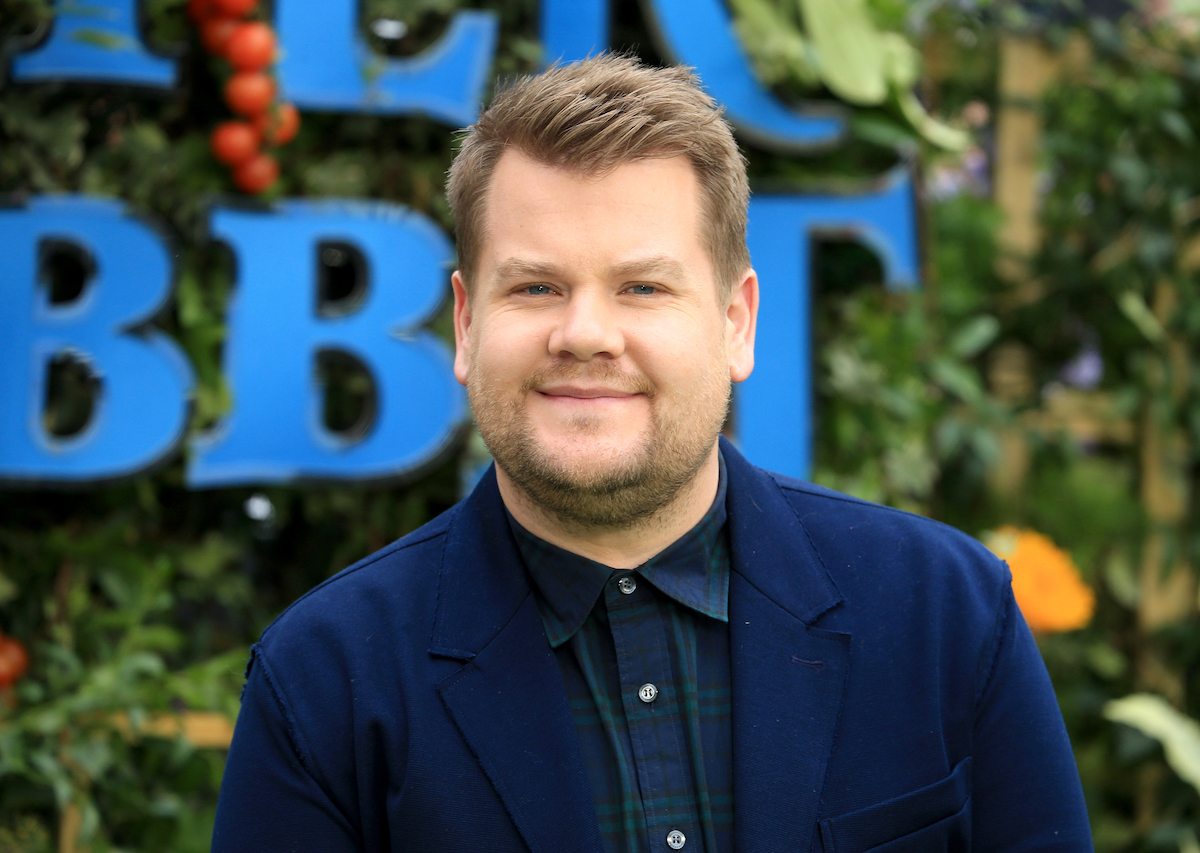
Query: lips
x=597, y=383
x=584, y=393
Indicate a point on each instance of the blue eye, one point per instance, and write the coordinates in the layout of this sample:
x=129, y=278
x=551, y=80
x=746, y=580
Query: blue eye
x=538, y=289
x=643, y=289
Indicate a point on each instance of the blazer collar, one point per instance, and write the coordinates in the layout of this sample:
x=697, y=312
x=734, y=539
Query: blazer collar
x=507, y=698
x=789, y=674
x=482, y=582
x=771, y=548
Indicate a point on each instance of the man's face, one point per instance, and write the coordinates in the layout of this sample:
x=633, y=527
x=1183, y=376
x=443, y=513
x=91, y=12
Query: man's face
x=595, y=347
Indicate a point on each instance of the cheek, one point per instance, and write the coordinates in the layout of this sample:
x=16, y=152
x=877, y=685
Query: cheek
x=685, y=354
x=499, y=354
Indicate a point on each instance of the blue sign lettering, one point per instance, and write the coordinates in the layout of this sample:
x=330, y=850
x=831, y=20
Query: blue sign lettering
x=698, y=33
x=573, y=29
x=277, y=332
x=326, y=65
x=140, y=410
x=98, y=40
x=773, y=408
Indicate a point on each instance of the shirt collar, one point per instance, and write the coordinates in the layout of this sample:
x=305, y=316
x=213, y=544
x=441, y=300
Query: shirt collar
x=693, y=570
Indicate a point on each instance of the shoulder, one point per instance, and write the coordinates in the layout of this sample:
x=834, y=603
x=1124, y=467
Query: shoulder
x=917, y=595
x=819, y=502
x=878, y=552
x=382, y=592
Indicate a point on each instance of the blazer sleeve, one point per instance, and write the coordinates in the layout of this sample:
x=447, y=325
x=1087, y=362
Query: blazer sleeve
x=1025, y=787
x=270, y=799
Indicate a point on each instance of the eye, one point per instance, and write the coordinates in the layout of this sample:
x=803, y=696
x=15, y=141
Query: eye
x=640, y=289
x=538, y=289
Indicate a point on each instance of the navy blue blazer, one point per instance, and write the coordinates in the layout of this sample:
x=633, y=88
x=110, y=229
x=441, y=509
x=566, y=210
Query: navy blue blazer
x=887, y=696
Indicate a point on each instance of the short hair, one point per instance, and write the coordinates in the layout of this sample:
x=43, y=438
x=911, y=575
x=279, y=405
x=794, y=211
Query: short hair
x=592, y=116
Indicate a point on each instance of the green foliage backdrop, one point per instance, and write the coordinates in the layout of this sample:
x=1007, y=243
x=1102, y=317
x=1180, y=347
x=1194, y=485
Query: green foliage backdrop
x=141, y=598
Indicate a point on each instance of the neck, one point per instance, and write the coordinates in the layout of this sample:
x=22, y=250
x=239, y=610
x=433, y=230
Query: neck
x=619, y=548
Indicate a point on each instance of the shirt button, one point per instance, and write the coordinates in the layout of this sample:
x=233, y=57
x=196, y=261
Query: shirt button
x=676, y=839
x=627, y=585
x=647, y=693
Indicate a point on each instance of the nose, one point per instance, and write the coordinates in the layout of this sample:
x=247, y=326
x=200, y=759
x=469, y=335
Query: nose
x=588, y=326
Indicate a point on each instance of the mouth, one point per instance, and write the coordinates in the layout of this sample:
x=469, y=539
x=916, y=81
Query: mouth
x=575, y=392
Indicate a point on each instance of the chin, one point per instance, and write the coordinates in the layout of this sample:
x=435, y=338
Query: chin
x=597, y=472
x=614, y=488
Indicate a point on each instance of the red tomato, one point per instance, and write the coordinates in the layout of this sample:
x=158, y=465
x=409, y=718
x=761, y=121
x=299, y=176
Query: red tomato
x=278, y=126
x=235, y=8
x=234, y=142
x=256, y=174
x=14, y=660
x=215, y=33
x=249, y=93
x=198, y=11
x=251, y=47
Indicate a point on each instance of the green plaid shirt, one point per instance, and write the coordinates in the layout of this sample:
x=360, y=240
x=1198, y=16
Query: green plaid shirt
x=658, y=632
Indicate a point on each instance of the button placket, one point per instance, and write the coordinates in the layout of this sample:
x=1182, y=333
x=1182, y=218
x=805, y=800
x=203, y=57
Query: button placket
x=645, y=673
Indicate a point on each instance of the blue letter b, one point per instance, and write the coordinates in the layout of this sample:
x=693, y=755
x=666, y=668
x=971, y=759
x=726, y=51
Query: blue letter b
x=278, y=335
x=139, y=408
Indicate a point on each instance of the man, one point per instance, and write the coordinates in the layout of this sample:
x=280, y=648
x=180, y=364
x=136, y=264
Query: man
x=628, y=638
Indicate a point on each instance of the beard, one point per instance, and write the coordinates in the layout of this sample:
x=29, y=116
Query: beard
x=598, y=487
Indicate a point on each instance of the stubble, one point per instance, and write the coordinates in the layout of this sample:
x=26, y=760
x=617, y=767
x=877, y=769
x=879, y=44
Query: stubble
x=621, y=490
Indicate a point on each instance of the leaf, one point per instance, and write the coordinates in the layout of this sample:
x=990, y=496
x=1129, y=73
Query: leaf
x=1117, y=251
x=779, y=50
x=8, y=589
x=209, y=557
x=1132, y=174
x=1153, y=716
x=956, y=378
x=851, y=52
x=1121, y=580
x=1189, y=255
x=1187, y=841
x=1135, y=309
x=941, y=135
x=879, y=129
x=1175, y=124
x=972, y=338
x=902, y=63
x=1106, y=661
x=1155, y=247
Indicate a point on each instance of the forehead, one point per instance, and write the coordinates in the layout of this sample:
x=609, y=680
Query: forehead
x=643, y=208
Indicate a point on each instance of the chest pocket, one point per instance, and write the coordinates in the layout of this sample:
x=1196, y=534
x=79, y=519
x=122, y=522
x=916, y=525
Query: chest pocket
x=934, y=818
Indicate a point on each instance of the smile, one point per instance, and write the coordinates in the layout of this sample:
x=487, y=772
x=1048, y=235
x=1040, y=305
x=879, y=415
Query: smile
x=567, y=393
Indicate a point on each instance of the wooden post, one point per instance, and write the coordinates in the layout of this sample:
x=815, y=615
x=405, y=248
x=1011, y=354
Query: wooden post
x=1167, y=586
x=1027, y=67
x=69, y=825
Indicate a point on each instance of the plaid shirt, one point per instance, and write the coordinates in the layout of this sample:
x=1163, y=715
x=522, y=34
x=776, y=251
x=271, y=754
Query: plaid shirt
x=661, y=631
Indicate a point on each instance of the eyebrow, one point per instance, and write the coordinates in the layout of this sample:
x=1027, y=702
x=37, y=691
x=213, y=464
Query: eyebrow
x=657, y=267
x=654, y=267
x=514, y=268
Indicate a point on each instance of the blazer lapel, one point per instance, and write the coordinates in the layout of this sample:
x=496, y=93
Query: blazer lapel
x=508, y=699
x=788, y=674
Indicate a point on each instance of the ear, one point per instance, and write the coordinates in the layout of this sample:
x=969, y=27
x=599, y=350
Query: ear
x=462, y=327
x=741, y=318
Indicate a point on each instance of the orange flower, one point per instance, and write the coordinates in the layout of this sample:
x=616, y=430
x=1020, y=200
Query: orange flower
x=1045, y=582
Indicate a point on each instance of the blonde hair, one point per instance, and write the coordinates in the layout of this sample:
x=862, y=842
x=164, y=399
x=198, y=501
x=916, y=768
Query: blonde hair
x=592, y=116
